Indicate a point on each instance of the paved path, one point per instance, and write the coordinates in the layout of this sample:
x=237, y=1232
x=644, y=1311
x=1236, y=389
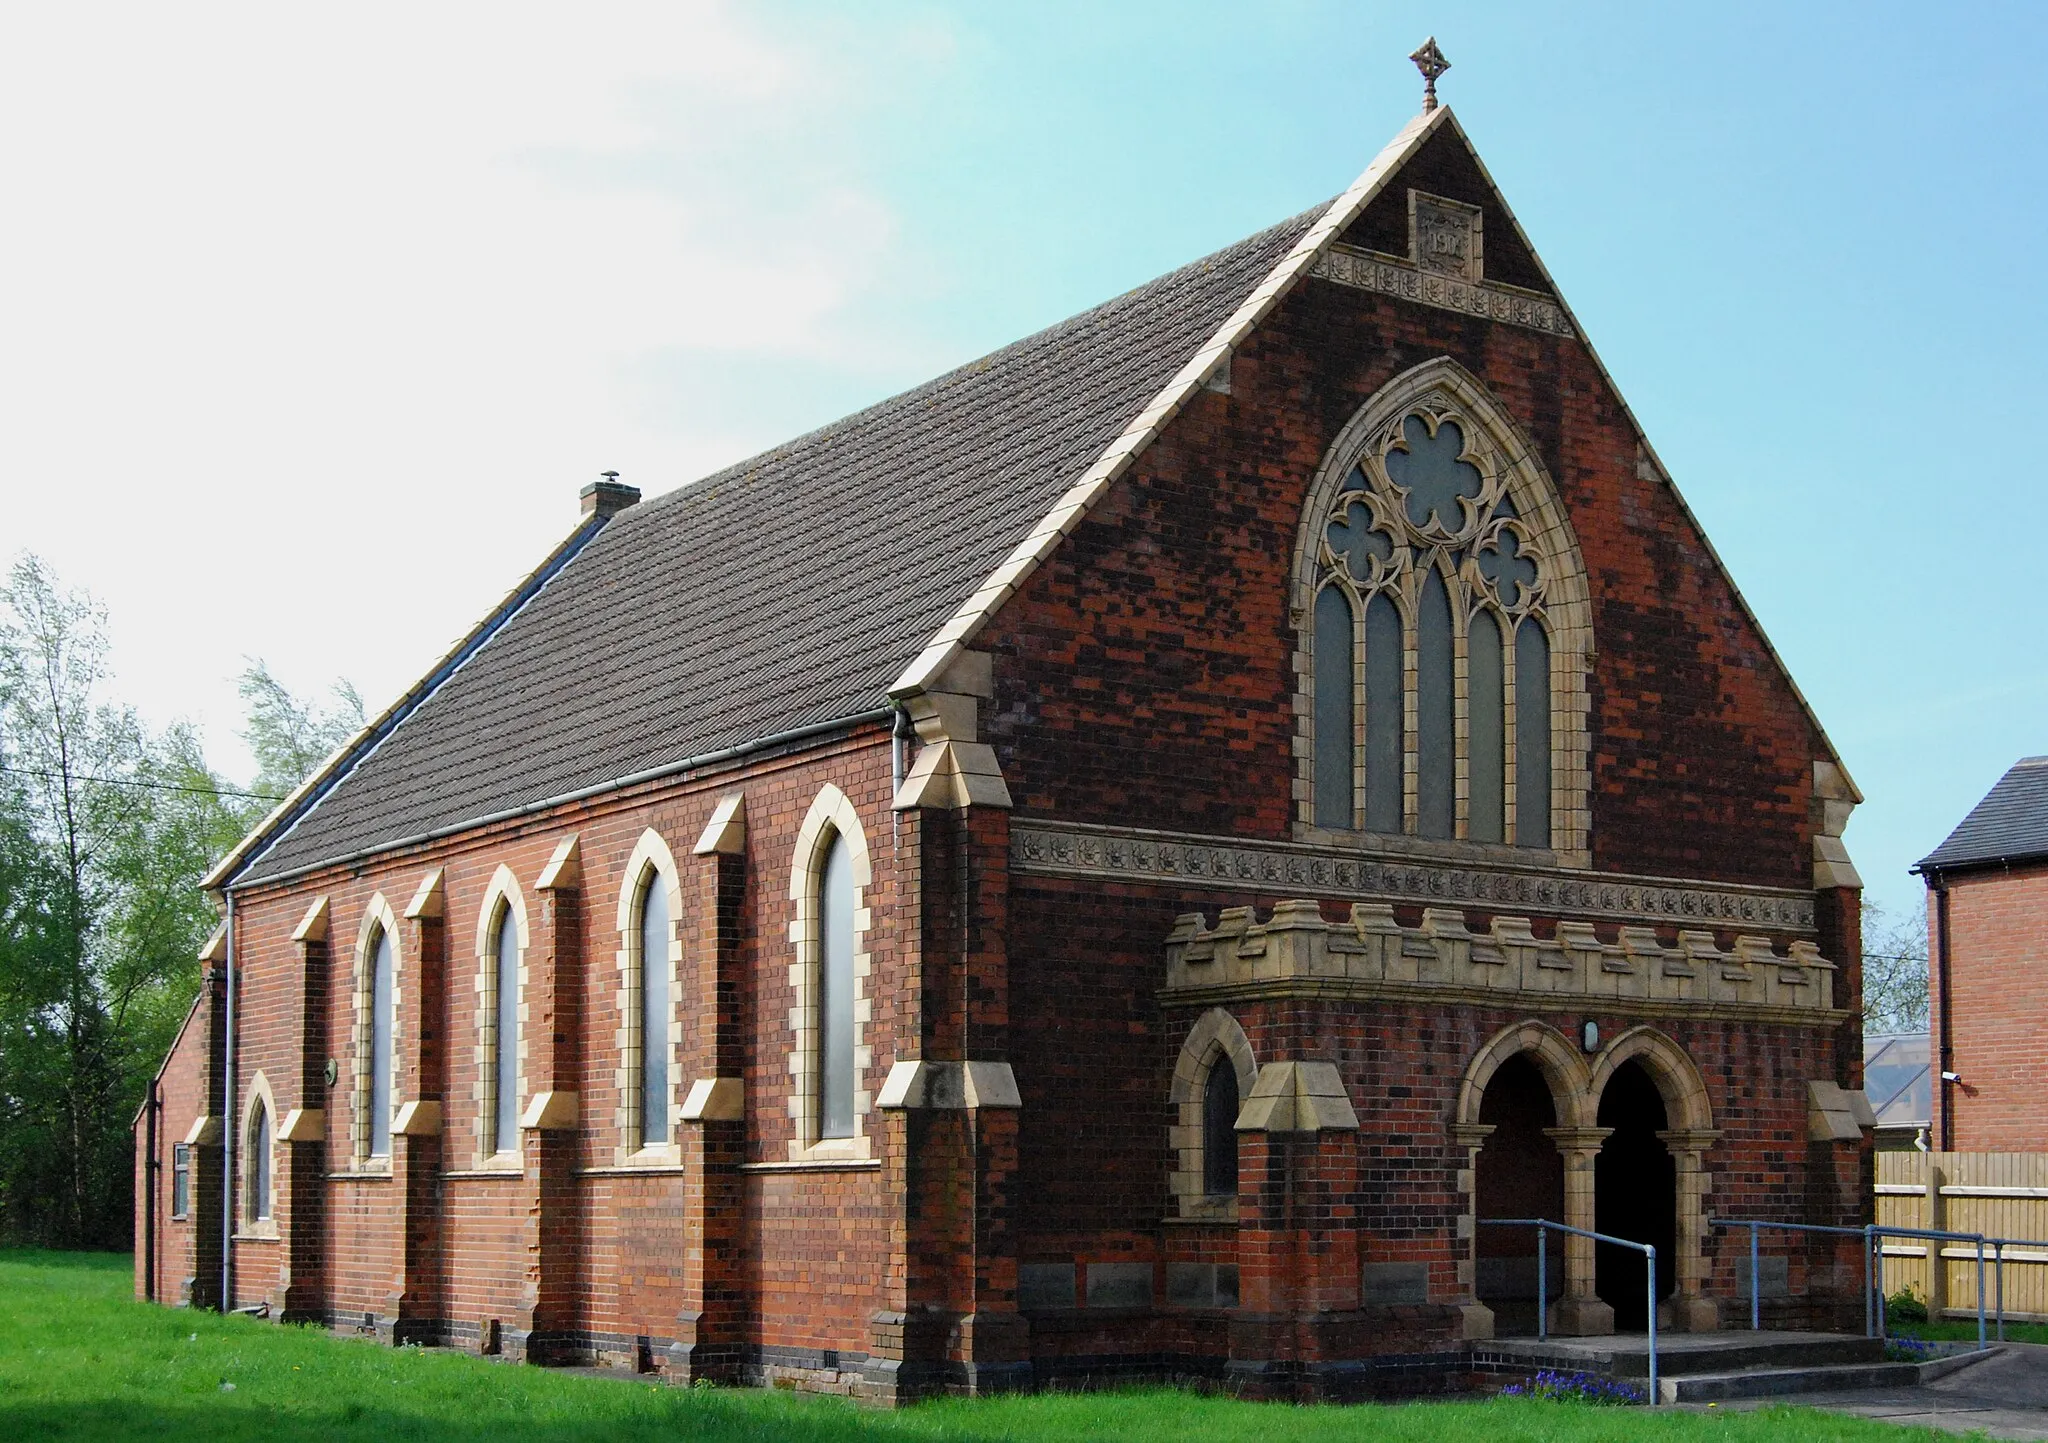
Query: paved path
x=2004, y=1397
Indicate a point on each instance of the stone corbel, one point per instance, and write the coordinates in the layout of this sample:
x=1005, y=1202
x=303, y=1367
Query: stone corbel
x=216, y=948
x=912, y=1084
x=954, y=768
x=430, y=902
x=304, y=1124
x=417, y=1119
x=564, y=871
x=954, y=775
x=313, y=926
x=550, y=1112
x=1836, y=1114
x=1834, y=798
x=716, y=1099
x=726, y=833
x=204, y=1132
x=1297, y=1097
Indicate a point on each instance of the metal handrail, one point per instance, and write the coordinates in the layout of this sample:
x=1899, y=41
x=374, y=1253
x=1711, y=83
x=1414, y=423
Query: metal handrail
x=1873, y=1235
x=1544, y=1227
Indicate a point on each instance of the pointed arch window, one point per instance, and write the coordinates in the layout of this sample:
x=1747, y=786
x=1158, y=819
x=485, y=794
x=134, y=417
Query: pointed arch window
x=256, y=1165
x=504, y=1080
x=1211, y=1078
x=1220, y=1104
x=835, y=991
x=383, y=1023
x=1437, y=579
x=830, y=1058
x=652, y=1023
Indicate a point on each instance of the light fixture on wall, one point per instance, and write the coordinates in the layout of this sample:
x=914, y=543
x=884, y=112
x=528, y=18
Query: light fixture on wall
x=1589, y=1035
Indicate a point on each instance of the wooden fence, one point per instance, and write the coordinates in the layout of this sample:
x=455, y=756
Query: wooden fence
x=2001, y=1195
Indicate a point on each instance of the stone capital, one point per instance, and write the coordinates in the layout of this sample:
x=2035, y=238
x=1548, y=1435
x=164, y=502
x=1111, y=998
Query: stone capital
x=1689, y=1139
x=1578, y=1139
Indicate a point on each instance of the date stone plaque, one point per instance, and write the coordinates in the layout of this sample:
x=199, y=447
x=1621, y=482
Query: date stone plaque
x=1446, y=237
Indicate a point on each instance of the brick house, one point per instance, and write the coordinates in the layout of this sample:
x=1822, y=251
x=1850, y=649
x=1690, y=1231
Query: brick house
x=1987, y=953
x=1116, y=861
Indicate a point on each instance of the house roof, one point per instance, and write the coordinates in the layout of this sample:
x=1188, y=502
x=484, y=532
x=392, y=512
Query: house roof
x=2009, y=825
x=787, y=590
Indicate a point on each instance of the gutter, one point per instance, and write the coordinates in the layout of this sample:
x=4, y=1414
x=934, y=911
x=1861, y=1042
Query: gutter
x=228, y=1129
x=1947, y=1042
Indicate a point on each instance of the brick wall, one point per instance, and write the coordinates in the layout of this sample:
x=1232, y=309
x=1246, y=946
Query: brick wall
x=812, y=1242
x=1998, y=1008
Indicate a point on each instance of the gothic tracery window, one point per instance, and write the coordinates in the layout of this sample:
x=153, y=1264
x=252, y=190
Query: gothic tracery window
x=1431, y=658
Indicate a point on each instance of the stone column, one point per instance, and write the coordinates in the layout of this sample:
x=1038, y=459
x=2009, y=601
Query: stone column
x=1692, y=1311
x=551, y=1034
x=1580, y=1311
x=711, y=1325
x=1475, y=1318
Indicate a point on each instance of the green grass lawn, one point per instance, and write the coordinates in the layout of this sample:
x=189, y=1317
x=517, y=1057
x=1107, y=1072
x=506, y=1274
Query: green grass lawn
x=79, y=1360
x=1957, y=1330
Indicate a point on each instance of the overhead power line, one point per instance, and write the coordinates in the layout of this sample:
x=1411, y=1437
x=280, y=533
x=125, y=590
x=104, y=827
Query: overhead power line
x=151, y=786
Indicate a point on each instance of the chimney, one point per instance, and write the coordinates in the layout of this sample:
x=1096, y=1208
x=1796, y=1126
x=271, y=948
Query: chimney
x=607, y=498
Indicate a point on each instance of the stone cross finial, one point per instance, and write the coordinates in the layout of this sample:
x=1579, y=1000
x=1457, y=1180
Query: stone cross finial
x=1430, y=61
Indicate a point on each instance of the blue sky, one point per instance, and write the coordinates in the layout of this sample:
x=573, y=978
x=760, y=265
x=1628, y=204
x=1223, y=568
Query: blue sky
x=321, y=319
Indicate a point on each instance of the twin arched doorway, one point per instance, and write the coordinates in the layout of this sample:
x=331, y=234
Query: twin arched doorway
x=1612, y=1144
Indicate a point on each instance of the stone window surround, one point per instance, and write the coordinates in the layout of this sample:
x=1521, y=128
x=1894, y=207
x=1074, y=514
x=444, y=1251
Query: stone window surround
x=503, y=892
x=377, y=916
x=176, y=1213
x=832, y=815
x=651, y=859
x=257, y=1095
x=1447, y=388
x=1216, y=1035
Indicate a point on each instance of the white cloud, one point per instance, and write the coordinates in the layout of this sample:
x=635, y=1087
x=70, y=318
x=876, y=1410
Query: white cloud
x=312, y=321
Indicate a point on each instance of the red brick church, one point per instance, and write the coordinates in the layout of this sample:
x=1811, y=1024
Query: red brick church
x=1115, y=862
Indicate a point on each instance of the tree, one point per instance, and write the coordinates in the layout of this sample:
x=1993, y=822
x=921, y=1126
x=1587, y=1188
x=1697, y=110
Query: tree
x=289, y=735
x=1894, y=970
x=105, y=830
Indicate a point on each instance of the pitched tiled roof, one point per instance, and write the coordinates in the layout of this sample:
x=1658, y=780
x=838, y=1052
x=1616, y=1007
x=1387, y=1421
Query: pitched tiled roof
x=2011, y=822
x=788, y=590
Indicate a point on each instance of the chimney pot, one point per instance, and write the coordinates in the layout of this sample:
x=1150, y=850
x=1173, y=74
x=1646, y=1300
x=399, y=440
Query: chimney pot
x=608, y=497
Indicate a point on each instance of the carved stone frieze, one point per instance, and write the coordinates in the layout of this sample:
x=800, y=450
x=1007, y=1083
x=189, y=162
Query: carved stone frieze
x=1370, y=954
x=1178, y=858
x=1392, y=276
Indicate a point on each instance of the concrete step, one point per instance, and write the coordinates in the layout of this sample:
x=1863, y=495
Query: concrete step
x=1780, y=1382
x=1681, y=1354
x=1783, y=1382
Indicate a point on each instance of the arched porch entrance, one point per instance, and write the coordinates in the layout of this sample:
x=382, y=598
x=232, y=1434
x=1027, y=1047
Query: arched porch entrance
x=1634, y=1196
x=1641, y=1094
x=1519, y=1175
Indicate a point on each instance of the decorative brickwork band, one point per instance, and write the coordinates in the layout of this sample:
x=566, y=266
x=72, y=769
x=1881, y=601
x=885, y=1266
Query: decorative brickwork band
x=1131, y=854
x=1391, y=276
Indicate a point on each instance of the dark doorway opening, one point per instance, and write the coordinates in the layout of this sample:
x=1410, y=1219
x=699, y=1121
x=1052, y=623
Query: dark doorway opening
x=1635, y=1196
x=1521, y=1175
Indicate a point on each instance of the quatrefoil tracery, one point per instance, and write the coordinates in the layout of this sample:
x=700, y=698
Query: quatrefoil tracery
x=1430, y=492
